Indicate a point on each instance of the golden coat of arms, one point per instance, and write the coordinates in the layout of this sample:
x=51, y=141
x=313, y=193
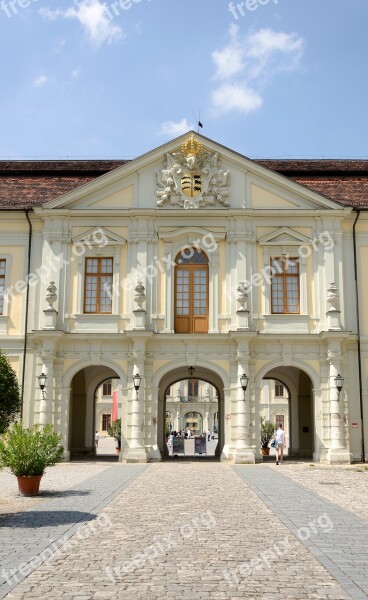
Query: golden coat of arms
x=193, y=177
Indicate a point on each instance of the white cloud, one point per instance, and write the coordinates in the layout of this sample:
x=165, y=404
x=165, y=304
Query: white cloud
x=246, y=63
x=95, y=18
x=40, y=81
x=235, y=96
x=174, y=129
x=231, y=59
x=265, y=41
x=49, y=14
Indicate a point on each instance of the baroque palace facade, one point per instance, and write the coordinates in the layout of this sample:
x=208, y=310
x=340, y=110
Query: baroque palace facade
x=189, y=259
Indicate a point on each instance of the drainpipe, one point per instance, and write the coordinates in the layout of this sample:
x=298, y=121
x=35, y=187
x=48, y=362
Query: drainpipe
x=358, y=332
x=26, y=210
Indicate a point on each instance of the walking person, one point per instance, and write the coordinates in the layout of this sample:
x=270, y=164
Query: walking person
x=279, y=436
x=97, y=437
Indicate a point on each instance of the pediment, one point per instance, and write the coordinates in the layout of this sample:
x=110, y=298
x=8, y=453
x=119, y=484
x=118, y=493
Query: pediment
x=190, y=172
x=284, y=236
x=99, y=237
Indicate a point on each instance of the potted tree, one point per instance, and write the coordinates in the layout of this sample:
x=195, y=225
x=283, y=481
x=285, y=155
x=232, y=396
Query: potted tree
x=267, y=432
x=115, y=432
x=27, y=453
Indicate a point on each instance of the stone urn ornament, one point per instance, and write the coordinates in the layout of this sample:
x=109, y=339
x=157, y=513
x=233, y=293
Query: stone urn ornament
x=140, y=295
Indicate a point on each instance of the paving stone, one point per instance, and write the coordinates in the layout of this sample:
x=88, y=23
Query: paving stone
x=184, y=525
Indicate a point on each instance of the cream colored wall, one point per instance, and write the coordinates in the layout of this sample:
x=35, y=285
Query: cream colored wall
x=17, y=270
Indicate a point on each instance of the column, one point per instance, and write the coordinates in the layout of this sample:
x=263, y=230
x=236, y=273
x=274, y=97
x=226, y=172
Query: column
x=337, y=453
x=244, y=453
x=64, y=420
x=136, y=451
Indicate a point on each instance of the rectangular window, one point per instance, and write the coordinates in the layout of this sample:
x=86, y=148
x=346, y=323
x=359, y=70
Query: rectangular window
x=193, y=388
x=280, y=420
x=279, y=389
x=106, y=422
x=98, y=286
x=285, y=292
x=106, y=390
x=2, y=284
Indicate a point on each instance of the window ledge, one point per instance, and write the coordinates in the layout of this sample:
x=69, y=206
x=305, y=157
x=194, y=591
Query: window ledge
x=94, y=322
x=286, y=323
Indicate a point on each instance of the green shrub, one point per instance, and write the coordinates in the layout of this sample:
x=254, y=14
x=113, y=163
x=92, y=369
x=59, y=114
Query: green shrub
x=30, y=451
x=10, y=401
x=115, y=431
x=267, y=432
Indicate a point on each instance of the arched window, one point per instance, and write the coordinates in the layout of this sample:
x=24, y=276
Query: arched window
x=191, y=292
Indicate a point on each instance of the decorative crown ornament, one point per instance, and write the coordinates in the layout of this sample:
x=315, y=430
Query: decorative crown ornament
x=191, y=147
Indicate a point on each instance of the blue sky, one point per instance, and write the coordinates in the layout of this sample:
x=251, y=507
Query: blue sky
x=84, y=78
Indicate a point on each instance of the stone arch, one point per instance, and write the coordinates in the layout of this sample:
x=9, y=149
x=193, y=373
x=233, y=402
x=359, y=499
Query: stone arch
x=302, y=382
x=176, y=371
x=83, y=379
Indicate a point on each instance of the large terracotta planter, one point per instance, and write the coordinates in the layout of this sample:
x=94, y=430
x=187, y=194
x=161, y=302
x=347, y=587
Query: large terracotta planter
x=29, y=485
x=266, y=451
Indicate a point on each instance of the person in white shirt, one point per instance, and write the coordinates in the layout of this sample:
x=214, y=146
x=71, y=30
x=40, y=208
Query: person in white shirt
x=97, y=437
x=280, y=439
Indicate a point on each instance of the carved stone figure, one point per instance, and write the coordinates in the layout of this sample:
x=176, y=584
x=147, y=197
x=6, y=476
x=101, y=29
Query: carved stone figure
x=242, y=296
x=192, y=178
x=51, y=295
x=140, y=295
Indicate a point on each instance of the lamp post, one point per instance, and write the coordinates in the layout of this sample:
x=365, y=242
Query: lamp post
x=244, y=383
x=137, y=383
x=339, y=383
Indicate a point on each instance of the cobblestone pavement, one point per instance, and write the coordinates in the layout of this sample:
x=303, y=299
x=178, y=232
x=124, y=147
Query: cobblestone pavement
x=185, y=530
x=346, y=486
x=336, y=537
x=30, y=537
x=56, y=480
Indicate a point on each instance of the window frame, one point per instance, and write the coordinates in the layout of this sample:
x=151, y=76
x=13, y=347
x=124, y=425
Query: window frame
x=98, y=276
x=107, y=384
x=106, y=417
x=281, y=385
x=284, y=276
x=3, y=283
x=192, y=318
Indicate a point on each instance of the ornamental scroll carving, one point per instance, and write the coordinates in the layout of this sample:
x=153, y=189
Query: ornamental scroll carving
x=193, y=178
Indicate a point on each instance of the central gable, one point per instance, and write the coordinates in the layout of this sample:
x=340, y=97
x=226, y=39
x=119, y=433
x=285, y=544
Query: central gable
x=191, y=173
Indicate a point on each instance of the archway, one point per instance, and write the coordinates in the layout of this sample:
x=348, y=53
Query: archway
x=300, y=415
x=82, y=408
x=212, y=417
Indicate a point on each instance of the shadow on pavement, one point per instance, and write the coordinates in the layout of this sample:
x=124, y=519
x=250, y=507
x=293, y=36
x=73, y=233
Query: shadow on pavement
x=48, y=518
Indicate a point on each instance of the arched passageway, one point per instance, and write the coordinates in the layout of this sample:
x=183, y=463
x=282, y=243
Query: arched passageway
x=209, y=411
x=296, y=412
x=82, y=408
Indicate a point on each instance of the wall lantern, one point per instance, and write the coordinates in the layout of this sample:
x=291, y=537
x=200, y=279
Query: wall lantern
x=244, y=383
x=137, y=382
x=339, y=383
x=42, y=382
x=191, y=371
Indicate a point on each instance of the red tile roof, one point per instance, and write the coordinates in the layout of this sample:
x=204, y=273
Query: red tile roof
x=24, y=184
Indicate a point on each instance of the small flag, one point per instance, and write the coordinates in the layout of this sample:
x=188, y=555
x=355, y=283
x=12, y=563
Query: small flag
x=200, y=124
